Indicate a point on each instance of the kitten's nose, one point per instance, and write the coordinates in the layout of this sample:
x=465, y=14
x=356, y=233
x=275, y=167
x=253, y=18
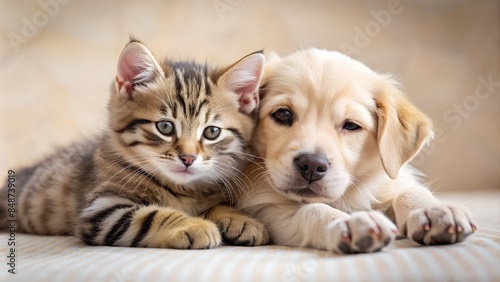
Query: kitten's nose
x=187, y=160
x=312, y=167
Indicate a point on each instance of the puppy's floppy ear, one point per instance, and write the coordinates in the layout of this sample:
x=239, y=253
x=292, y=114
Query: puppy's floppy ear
x=402, y=129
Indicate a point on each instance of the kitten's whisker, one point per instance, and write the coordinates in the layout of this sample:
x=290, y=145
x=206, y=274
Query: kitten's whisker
x=228, y=186
x=121, y=170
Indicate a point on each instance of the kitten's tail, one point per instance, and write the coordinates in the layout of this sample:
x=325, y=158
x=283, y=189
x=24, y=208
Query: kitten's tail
x=9, y=196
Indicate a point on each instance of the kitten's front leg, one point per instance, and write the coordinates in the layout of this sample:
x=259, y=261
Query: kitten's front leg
x=427, y=221
x=118, y=221
x=237, y=228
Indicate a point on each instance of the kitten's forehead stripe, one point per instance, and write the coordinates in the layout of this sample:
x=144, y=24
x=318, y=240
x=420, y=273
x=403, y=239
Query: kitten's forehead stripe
x=182, y=103
x=206, y=83
x=192, y=110
x=201, y=103
x=190, y=71
x=177, y=79
x=192, y=87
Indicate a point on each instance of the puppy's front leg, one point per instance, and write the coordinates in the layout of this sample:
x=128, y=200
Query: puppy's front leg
x=427, y=221
x=360, y=232
x=322, y=227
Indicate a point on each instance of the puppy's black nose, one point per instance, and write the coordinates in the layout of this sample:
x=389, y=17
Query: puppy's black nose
x=312, y=167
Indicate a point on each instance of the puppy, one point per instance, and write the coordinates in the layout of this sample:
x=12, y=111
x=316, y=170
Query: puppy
x=333, y=138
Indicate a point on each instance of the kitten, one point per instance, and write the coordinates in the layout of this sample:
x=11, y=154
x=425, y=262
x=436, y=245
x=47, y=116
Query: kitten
x=157, y=176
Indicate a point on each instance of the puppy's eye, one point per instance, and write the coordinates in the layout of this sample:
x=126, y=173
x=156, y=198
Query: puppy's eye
x=211, y=132
x=165, y=127
x=351, y=126
x=283, y=116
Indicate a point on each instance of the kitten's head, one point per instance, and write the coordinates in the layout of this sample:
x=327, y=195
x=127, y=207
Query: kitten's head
x=182, y=121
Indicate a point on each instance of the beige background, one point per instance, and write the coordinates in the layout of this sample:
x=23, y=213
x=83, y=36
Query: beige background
x=57, y=61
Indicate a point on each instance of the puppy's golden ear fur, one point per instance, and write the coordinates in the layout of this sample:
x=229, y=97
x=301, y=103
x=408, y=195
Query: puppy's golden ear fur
x=402, y=129
x=272, y=59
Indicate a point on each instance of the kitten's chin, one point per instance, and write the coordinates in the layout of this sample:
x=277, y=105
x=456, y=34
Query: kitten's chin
x=183, y=177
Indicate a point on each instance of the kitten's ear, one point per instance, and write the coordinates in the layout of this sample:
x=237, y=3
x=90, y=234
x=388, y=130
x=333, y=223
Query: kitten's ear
x=243, y=78
x=402, y=129
x=136, y=65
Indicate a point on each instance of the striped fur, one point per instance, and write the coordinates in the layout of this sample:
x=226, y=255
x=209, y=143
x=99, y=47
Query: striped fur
x=136, y=185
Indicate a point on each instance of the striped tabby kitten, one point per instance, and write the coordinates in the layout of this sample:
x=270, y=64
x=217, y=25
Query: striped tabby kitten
x=157, y=176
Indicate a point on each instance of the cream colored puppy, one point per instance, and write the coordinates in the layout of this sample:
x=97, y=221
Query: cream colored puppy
x=334, y=138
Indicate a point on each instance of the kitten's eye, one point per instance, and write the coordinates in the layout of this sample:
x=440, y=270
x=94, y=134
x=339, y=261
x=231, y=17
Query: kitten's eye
x=165, y=127
x=211, y=132
x=283, y=116
x=351, y=126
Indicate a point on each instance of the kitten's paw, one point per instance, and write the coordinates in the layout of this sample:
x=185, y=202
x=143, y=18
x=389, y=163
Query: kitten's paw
x=237, y=228
x=439, y=225
x=241, y=230
x=196, y=233
x=361, y=232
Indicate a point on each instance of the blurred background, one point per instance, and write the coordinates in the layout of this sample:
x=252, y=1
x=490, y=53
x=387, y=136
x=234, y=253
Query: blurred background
x=58, y=59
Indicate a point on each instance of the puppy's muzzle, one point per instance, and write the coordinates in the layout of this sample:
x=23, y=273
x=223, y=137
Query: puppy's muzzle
x=312, y=167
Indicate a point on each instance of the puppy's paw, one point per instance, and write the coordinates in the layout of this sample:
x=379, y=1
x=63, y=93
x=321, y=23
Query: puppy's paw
x=241, y=230
x=440, y=225
x=361, y=232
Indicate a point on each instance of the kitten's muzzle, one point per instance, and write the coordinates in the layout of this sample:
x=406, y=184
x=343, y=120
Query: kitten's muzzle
x=312, y=167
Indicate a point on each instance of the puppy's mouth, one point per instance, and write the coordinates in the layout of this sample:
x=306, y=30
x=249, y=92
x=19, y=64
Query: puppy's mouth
x=303, y=192
x=297, y=190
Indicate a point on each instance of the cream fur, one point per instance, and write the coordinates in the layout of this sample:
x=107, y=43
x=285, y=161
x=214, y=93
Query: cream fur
x=367, y=173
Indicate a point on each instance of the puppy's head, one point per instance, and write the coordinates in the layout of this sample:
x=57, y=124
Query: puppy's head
x=327, y=121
